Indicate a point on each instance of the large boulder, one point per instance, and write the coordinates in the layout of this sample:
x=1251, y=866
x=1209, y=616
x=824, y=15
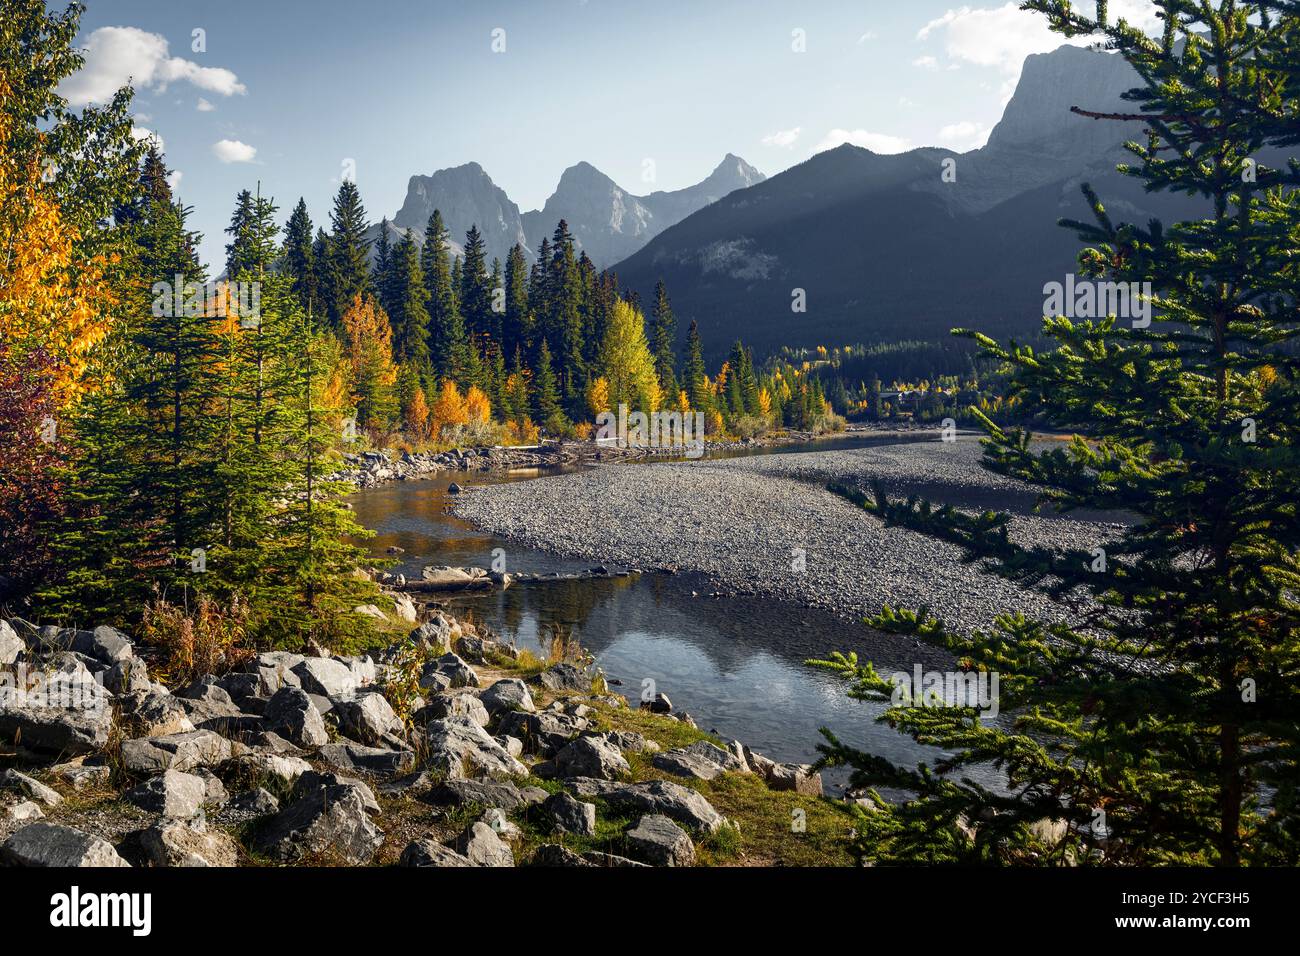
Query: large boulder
x=105, y=644
x=485, y=793
x=11, y=645
x=591, y=757
x=796, y=777
x=458, y=747
x=170, y=843
x=49, y=844
x=565, y=677
x=658, y=840
x=154, y=755
x=701, y=760
x=482, y=847
x=152, y=714
x=174, y=794
x=655, y=796
x=292, y=714
x=358, y=758
x=507, y=695
x=457, y=672
x=327, y=677
x=55, y=730
x=431, y=853
x=441, y=706
x=328, y=818
x=369, y=718
x=544, y=733
x=570, y=815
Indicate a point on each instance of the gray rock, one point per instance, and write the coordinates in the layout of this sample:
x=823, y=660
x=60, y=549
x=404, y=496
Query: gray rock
x=458, y=747
x=368, y=718
x=543, y=734
x=81, y=776
x=28, y=811
x=153, y=714
x=174, y=794
x=456, y=670
x=553, y=854
x=49, y=844
x=107, y=645
x=796, y=777
x=347, y=755
x=330, y=821
x=51, y=730
x=329, y=678
x=252, y=804
x=660, y=705
x=435, y=633
x=485, y=793
x=697, y=763
x=291, y=713
x=171, y=843
x=507, y=695
x=655, y=796
x=569, y=815
x=327, y=779
x=658, y=840
x=591, y=757
x=261, y=765
x=153, y=755
x=600, y=858
x=128, y=676
x=562, y=677
x=11, y=645
x=442, y=706
x=28, y=787
x=482, y=847
x=430, y=853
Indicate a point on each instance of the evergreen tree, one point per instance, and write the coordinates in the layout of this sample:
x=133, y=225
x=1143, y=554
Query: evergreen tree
x=663, y=339
x=517, y=331
x=565, y=317
x=349, y=251
x=475, y=294
x=409, y=316
x=447, y=339
x=382, y=278
x=546, y=393
x=298, y=258
x=1159, y=721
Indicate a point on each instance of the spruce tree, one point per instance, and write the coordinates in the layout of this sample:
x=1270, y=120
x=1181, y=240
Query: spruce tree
x=447, y=339
x=697, y=389
x=663, y=339
x=475, y=294
x=298, y=258
x=349, y=251
x=1159, y=721
x=409, y=315
x=516, y=331
x=546, y=393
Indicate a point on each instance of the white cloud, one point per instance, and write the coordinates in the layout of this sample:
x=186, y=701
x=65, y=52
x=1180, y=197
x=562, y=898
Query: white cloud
x=963, y=136
x=139, y=133
x=876, y=142
x=118, y=55
x=233, y=151
x=783, y=137
x=926, y=63
x=203, y=106
x=869, y=35
x=174, y=179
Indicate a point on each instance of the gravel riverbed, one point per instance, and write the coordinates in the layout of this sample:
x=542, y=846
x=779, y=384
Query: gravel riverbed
x=740, y=520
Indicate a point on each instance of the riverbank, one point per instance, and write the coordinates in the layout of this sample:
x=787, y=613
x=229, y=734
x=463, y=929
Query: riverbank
x=766, y=525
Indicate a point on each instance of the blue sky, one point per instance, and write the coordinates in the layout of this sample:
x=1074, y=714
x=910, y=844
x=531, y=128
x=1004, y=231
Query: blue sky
x=285, y=92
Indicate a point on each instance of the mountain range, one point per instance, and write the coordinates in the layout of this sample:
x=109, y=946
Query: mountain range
x=606, y=221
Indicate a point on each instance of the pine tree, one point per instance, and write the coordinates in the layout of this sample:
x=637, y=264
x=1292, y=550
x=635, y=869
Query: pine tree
x=697, y=386
x=349, y=252
x=299, y=257
x=565, y=318
x=546, y=394
x=475, y=295
x=447, y=339
x=663, y=339
x=517, y=330
x=1160, y=720
x=409, y=316
x=382, y=279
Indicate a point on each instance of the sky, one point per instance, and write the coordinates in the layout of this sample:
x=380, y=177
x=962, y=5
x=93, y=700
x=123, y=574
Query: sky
x=289, y=96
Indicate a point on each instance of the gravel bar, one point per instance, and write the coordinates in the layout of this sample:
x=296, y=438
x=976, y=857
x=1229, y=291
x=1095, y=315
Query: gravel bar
x=739, y=520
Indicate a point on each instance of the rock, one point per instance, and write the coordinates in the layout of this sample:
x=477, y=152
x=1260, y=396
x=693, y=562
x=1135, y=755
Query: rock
x=482, y=847
x=107, y=645
x=368, y=718
x=363, y=668
x=176, y=795
x=49, y=844
x=261, y=766
x=562, y=677
x=655, y=796
x=28, y=787
x=600, y=858
x=274, y=669
x=291, y=713
x=151, y=714
x=170, y=843
x=544, y=733
x=55, y=730
x=658, y=840
x=359, y=758
x=11, y=645
x=501, y=825
x=152, y=755
x=128, y=677
x=430, y=853
x=326, y=779
x=81, y=776
x=553, y=854
x=329, y=678
x=458, y=747
x=569, y=815
x=216, y=793
x=514, y=746
x=454, y=489
x=330, y=820
x=457, y=671
x=507, y=695
x=680, y=763
x=442, y=706
x=436, y=633
x=411, y=785
x=485, y=793
x=630, y=742
x=796, y=777
x=404, y=608
x=27, y=811
x=252, y=804
x=369, y=610
x=660, y=705
x=591, y=757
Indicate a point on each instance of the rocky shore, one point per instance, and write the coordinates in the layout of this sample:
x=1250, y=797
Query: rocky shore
x=767, y=525
x=446, y=749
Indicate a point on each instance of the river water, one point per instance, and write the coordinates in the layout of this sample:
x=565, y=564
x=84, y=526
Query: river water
x=735, y=664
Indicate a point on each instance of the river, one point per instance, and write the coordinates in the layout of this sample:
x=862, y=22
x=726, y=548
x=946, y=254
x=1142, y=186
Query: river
x=735, y=664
